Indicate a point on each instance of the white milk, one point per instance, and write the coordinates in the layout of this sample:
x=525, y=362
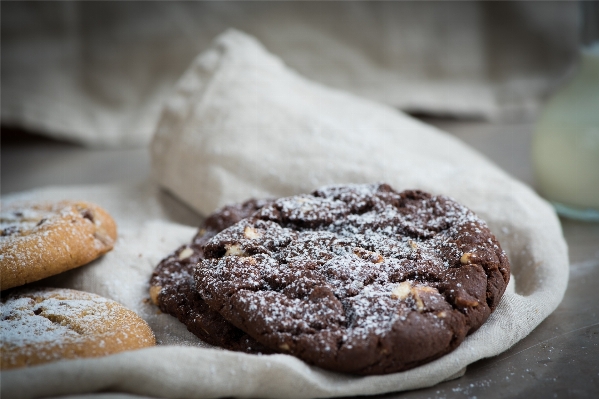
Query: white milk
x=565, y=150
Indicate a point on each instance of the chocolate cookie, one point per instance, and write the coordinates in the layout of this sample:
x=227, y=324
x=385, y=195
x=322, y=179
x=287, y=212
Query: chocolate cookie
x=44, y=325
x=172, y=287
x=38, y=240
x=359, y=279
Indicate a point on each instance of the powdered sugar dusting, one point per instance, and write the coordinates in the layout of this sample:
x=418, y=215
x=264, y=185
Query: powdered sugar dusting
x=325, y=266
x=41, y=239
x=48, y=324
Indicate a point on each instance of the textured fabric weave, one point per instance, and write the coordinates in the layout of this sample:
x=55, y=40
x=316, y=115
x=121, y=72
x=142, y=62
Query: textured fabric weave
x=98, y=72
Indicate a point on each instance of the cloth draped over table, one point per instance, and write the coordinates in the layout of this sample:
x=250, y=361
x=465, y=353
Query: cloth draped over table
x=241, y=123
x=98, y=72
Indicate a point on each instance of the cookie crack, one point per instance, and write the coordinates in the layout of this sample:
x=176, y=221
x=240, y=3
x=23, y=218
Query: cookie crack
x=58, y=320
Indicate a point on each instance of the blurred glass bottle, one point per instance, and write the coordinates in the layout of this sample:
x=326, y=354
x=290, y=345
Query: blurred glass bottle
x=565, y=148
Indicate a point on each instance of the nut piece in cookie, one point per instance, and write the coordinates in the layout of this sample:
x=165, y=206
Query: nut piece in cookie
x=39, y=240
x=45, y=325
x=359, y=279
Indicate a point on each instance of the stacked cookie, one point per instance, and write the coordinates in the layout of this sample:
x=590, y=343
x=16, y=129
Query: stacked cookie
x=172, y=286
x=38, y=240
x=359, y=279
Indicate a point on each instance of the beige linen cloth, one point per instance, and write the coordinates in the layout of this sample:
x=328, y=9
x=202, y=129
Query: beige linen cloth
x=98, y=72
x=240, y=123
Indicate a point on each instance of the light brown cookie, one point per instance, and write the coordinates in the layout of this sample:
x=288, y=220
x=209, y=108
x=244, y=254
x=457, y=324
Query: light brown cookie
x=38, y=240
x=44, y=325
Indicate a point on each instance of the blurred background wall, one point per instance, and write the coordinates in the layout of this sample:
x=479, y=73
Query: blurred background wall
x=97, y=72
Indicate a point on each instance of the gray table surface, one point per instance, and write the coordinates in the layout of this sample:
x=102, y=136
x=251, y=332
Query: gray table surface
x=560, y=358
